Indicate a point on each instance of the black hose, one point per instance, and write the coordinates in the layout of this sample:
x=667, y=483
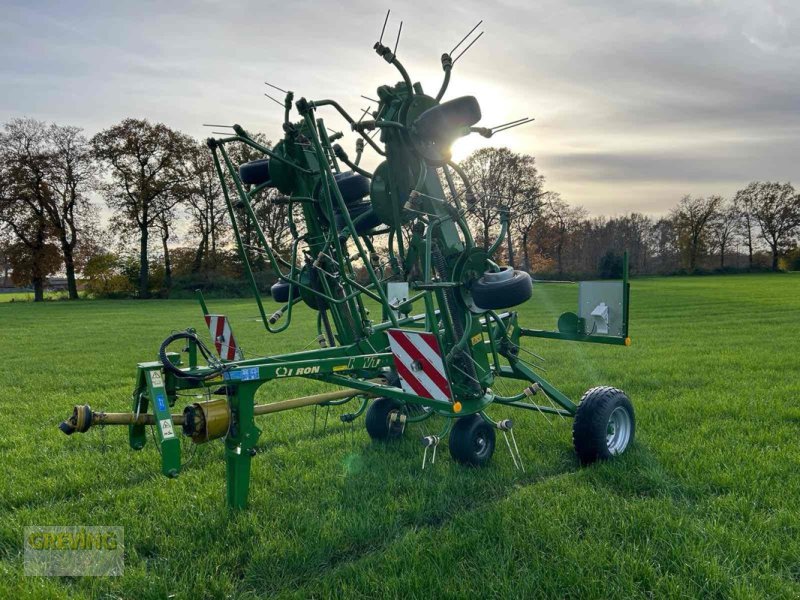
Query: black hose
x=171, y=368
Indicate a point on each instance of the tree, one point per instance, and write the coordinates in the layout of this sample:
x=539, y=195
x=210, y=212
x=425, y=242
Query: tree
x=744, y=201
x=777, y=211
x=25, y=196
x=33, y=267
x=501, y=180
x=5, y=257
x=665, y=243
x=562, y=220
x=526, y=215
x=71, y=178
x=148, y=175
x=58, y=161
x=692, y=217
x=723, y=227
x=164, y=222
x=206, y=208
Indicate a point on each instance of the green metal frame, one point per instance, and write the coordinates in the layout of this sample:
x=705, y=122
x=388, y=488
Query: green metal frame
x=427, y=240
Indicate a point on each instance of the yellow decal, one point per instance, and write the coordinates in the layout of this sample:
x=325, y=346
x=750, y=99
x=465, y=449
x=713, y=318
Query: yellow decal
x=339, y=368
x=477, y=339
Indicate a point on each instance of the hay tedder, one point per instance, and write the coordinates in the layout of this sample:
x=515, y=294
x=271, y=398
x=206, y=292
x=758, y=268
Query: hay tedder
x=398, y=237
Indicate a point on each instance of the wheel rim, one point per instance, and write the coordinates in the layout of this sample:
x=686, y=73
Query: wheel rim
x=481, y=444
x=618, y=430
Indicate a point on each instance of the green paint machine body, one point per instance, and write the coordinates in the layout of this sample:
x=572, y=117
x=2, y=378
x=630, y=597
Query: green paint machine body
x=399, y=237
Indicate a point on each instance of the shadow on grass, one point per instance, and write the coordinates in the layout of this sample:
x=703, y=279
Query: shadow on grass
x=637, y=474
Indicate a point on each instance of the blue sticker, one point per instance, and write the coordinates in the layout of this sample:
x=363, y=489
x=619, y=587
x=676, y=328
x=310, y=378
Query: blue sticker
x=162, y=405
x=242, y=374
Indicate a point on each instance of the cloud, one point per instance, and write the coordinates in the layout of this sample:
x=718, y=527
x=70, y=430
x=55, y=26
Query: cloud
x=636, y=102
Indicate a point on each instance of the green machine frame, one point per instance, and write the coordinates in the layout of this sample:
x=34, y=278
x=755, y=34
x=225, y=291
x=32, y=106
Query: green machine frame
x=413, y=231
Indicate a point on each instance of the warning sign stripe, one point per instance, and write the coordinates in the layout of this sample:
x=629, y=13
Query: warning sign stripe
x=419, y=364
x=222, y=336
x=407, y=377
x=415, y=354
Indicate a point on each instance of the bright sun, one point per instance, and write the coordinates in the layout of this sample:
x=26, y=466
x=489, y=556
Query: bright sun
x=466, y=145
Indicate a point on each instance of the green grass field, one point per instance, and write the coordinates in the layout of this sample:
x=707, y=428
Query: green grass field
x=706, y=504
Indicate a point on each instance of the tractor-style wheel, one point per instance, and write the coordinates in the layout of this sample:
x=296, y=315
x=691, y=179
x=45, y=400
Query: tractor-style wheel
x=503, y=289
x=604, y=425
x=472, y=441
x=255, y=172
x=446, y=121
x=383, y=421
x=352, y=186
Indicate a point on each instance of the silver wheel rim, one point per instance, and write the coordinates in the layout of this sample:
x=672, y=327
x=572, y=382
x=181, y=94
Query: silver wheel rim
x=481, y=445
x=618, y=430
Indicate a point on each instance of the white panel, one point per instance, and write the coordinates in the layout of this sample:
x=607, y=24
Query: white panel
x=600, y=305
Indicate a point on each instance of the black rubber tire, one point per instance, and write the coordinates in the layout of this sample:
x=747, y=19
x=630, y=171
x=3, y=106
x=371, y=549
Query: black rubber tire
x=255, y=172
x=492, y=295
x=377, y=419
x=356, y=210
x=472, y=441
x=352, y=186
x=590, y=427
x=444, y=121
x=280, y=291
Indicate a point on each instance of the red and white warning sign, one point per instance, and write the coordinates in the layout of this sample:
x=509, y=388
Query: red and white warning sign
x=418, y=361
x=222, y=334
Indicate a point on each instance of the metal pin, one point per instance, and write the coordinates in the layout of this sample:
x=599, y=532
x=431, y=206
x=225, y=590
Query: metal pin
x=465, y=37
x=509, y=123
x=510, y=451
x=519, y=456
x=430, y=440
x=385, y=21
x=278, y=102
x=550, y=400
x=468, y=47
x=370, y=99
x=397, y=42
x=212, y=125
x=276, y=87
x=524, y=121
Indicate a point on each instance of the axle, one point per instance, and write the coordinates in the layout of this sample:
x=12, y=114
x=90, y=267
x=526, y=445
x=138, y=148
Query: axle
x=203, y=421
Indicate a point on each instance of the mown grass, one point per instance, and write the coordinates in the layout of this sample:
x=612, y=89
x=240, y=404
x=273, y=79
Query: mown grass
x=28, y=296
x=706, y=504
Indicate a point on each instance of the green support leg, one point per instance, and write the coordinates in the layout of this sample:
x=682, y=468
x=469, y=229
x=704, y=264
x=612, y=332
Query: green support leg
x=239, y=446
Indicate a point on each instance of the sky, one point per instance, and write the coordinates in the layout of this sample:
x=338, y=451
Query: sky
x=636, y=102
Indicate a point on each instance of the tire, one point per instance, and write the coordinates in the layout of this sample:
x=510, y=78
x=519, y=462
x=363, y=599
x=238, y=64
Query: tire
x=280, y=291
x=472, y=441
x=356, y=210
x=255, y=172
x=379, y=413
x=502, y=290
x=444, y=121
x=352, y=186
x=600, y=410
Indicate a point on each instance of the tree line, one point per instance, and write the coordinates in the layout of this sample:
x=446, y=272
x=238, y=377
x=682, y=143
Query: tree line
x=138, y=210
x=756, y=229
